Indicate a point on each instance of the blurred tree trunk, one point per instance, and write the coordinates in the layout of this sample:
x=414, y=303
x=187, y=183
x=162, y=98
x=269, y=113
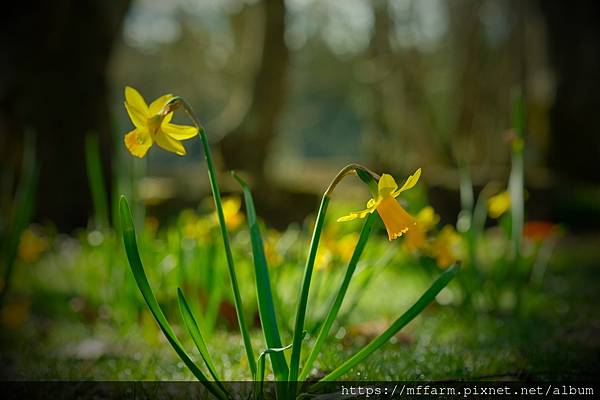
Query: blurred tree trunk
x=573, y=31
x=247, y=146
x=54, y=81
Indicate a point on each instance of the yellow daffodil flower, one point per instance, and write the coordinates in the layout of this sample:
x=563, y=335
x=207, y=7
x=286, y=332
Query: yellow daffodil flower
x=499, y=204
x=447, y=247
x=396, y=220
x=416, y=238
x=153, y=125
x=232, y=212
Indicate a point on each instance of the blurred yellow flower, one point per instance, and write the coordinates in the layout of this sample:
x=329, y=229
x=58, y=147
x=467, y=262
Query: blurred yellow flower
x=427, y=218
x=499, y=204
x=335, y=248
x=274, y=257
x=232, y=212
x=31, y=246
x=416, y=238
x=153, y=124
x=396, y=220
x=447, y=247
x=345, y=246
x=195, y=227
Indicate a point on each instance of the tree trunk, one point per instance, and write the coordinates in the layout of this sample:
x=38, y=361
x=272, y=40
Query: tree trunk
x=573, y=44
x=53, y=80
x=247, y=147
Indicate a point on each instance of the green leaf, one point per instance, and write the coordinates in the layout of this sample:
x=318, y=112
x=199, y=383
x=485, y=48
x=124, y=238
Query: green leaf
x=24, y=206
x=96, y=181
x=135, y=262
x=266, y=307
x=194, y=331
x=301, y=311
x=400, y=323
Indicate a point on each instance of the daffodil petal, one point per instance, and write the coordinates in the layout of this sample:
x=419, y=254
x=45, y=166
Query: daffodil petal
x=159, y=103
x=355, y=215
x=387, y=185
x=138, y=142
x=138, y=118
x=135, y=102
x=411, y=181
x=169, y=144
x=179, y=132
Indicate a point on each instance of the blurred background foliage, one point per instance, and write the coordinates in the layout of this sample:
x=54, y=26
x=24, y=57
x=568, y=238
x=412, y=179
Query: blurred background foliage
x=292, y=90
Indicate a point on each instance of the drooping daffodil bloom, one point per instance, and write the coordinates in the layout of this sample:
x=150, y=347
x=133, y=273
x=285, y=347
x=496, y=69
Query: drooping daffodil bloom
x=153, y=125
x=396, y=220
x=499, y=204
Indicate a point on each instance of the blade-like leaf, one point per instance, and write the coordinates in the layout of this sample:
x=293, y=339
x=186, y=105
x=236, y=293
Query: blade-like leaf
x=303, y=300
x=383, y=338
x=24, y=207
x=135, y=262
x=96, y=180
x=266, y=307
x=194, y=331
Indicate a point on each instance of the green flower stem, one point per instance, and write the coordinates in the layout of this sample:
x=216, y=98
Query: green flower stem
x=365, y=175
x=335, y=307
x=214, y=186
x=301, y=311
x=237, y=298
x=383, y=338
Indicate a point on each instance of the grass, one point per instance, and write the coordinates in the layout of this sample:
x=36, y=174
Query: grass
x=555, y=336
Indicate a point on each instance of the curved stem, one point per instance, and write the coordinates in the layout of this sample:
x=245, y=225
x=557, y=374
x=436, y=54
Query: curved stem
x=173, y=104
x=350, y=169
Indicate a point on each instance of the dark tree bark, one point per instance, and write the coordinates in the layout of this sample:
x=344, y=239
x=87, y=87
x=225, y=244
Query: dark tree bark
x=53, y=80
x=247, y=146
x=574, y=46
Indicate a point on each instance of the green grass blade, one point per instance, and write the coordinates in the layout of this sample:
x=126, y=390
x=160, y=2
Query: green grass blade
x=303, y=298
x=194, y=331
x=237, y=298
x=384, y=337
x=266, y=307
x=516, y=180
x=25, y=203
x=96, y=181
x=339, y=298
x=135, y=262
